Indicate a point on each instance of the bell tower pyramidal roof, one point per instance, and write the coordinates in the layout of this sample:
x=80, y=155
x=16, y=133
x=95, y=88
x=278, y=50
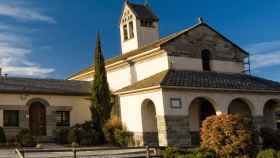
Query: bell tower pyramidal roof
x=139, y=26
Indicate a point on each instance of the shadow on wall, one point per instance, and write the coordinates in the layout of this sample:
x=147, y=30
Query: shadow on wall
x=149, y=123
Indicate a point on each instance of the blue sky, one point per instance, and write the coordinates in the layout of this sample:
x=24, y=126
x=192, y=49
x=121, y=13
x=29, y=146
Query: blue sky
x=54, y=38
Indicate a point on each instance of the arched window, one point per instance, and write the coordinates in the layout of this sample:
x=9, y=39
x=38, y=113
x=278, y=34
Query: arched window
x=125, y=32
x=205, y=56
x=131, y=30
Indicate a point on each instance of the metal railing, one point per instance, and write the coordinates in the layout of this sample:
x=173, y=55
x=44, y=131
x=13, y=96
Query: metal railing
x=149, y=152
x=153, y=151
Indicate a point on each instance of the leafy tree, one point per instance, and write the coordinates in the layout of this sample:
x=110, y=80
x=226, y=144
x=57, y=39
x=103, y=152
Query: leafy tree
x=101, y=104
x=227, y=135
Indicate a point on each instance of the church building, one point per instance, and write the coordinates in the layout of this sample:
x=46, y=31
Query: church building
x=167, y=86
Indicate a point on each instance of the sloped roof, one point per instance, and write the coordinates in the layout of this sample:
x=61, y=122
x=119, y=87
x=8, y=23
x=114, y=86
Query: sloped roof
x=44, y=86
x=156, y=44
x=142, y=11
x=205, y=80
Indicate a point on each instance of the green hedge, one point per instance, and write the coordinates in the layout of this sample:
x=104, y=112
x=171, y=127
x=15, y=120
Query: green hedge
x=268, y=153
x=25, y=138
x=84, y=134
x=190, y=153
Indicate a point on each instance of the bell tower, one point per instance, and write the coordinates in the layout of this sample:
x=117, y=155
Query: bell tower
x=138, y=26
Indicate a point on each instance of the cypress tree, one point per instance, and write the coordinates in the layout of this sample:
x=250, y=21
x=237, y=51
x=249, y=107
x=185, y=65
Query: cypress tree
x=101, y=101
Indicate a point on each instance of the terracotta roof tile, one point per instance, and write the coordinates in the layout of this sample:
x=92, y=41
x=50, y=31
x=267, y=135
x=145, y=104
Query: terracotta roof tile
x=153, y=45
x=205, y=80
x=143, y=12
x=44, y=86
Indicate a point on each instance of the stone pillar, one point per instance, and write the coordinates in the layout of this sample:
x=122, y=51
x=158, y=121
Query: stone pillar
x=50, y=120
x=23, y=119
x=174, y=130
x=162, y=135
x=258, y=123
x=1, y=118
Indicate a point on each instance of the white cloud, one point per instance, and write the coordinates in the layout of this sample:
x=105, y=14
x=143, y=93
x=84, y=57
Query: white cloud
x=24, y=13
x=264, y=54
x=264, y=47
x=32, y=71
x=14, y=58
x=4, y=27
x=16, y=42
x=265, y=60
x=11, y=28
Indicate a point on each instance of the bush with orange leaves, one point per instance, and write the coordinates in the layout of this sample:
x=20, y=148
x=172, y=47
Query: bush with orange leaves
x=110, y=127
x=227, y=135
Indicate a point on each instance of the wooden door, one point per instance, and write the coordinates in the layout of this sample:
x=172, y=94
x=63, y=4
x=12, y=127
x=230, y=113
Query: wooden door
x=37, y=119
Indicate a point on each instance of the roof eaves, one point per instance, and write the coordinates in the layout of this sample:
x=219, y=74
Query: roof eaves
x=226, y=39
x=177, y=34
x=205, y=24
x=152, y=81
x=159, y=43
x=132, y=8
x=46, y=93
x=219, y=89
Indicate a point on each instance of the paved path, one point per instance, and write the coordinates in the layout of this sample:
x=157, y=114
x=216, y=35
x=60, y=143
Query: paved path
x=7, y=153
x=123, y=153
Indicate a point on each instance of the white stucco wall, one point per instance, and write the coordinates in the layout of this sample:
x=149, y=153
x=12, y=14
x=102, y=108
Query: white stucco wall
x=131, y=108
x=129, y=44
x=220, y=100
x=119, y=77
x=131, y=104
x=80, y=106
x=123, y=75
x=142, y=35
x=149, y=113
x=187, y=63
x=150, y=66
x=227, y=66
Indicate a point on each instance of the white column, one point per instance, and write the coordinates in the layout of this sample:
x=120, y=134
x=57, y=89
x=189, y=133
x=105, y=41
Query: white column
x=1, y=117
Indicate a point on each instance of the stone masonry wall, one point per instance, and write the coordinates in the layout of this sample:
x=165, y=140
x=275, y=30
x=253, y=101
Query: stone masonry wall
x=193, y=42
x=174, y=130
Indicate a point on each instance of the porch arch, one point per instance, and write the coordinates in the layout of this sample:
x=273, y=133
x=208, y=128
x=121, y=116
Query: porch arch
x=199, y=109
x=37, y=109
x=242, y=107
x=149, y=123
x=271, y=114
x=40, y=100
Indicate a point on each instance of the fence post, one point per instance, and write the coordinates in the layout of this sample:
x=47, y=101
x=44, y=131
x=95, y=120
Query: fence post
x=19, y=153
x=22, y=154
x=74, y=152
x=148, y=151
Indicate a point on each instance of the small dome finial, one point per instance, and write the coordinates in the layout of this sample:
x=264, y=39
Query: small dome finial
x=200, y=20
x=125, y=1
